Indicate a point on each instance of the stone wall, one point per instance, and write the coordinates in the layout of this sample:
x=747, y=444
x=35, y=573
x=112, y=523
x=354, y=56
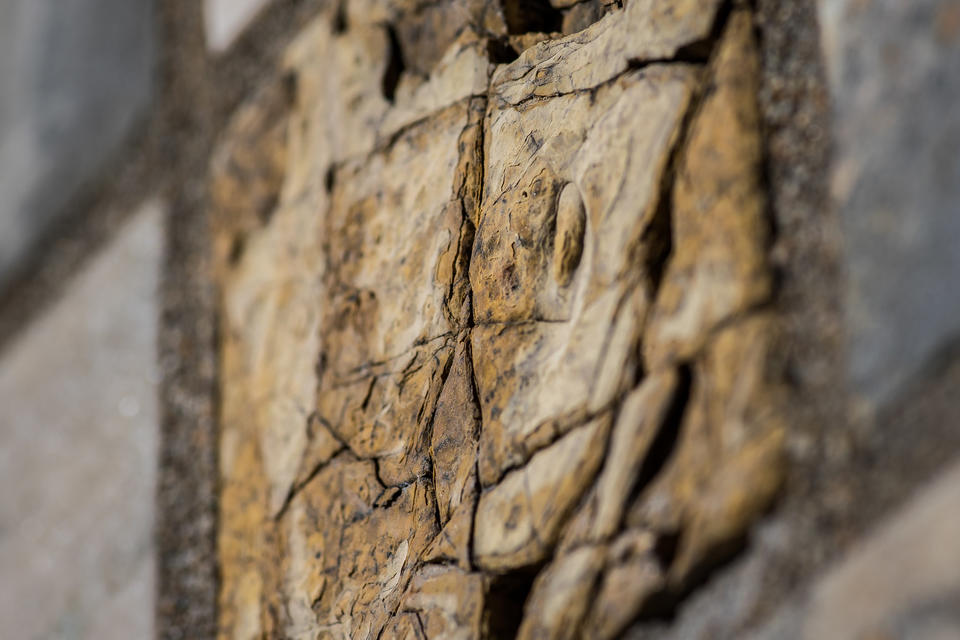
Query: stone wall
x=534, y=319
x=494, y=328
x=528, y=318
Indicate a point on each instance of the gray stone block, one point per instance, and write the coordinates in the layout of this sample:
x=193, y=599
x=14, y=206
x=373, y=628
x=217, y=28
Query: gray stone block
x=75, y=75
x=79, y=431
x=893, y=73
x=902, y=581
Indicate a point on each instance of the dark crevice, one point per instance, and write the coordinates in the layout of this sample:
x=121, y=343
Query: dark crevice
x=531, y=16
x=504, y=602
x=696, y=52
x=632, y=65
x=665, y=442
x=499, y=51
x=329, y=179
x=469, y=320
x=471, y=542
x=291, y=87
x=657, y=239
x=366, y=398
x=376, y=473
x=297, y=487
x=395, y=66
x=420, y=626
x=237, y=246
x=340, y=17
x=665, y=549
x=664, y=605
x=658, y=236
x=388, y=497
x=266, y=208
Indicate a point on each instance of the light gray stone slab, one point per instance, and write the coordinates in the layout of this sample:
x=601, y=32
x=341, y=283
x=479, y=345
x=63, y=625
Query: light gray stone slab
x=75, y=76
x=903, y=581
x=78, y=451
x=900, y=583
x=225, y=20
x=893, y=74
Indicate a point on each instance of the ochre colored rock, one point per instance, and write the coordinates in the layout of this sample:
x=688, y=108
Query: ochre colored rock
x=720, y=232
x=494, y=333
x=518, y=521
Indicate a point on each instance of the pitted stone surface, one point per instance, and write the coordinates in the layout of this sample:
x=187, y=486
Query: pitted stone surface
x=493, y=333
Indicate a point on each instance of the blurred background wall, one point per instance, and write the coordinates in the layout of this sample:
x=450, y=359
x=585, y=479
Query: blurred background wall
x=75, y=78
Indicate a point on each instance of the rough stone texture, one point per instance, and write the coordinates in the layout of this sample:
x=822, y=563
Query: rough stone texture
x=78, y=448
x=495, y=336
x=892, y=70
x=75, y=77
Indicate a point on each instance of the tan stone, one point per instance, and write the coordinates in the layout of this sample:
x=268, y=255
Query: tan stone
x=640, y=418
x=557, y=296
x=728, y=463
x=463, y=71
x=247, y=171
x=452, y=544
x=645, y=30
x=632, y=575
x=448, y=359
x=456, y=425
x=388, y=227
x=719, y=227
x=386, y=415
x=348, y=547
x=322, y=446
x=518, y=521
x=448, y=602
x=561, y=594
x=271, y=326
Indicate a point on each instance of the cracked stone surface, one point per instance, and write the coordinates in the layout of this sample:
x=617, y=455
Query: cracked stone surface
x=495, y=334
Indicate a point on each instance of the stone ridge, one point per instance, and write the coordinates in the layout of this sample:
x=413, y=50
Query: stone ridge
x=495, y=335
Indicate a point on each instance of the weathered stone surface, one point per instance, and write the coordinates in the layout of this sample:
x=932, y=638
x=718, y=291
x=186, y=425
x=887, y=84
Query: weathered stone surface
x=348, y=547
x=557, y=307
x=453, y=544
x=633, y=574
x=561, y=594
x=639, y=421
x=456, y=425
x=518, y=521
x=447, y=603
x=454, y=403
x=727, y=465
x=646, y=30
x=718, y=268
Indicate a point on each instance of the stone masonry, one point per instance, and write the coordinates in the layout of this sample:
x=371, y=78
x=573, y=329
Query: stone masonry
x=496, y=320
